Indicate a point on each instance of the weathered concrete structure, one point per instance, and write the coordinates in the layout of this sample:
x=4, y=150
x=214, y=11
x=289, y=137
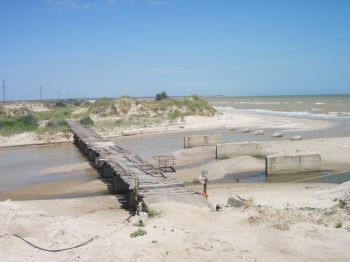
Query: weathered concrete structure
x=238, y=149
x=277, y=135
x=293, y=163
x=202, y=140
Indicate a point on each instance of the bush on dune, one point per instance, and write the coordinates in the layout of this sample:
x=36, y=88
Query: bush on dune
x=15, y=125
x=86, y=121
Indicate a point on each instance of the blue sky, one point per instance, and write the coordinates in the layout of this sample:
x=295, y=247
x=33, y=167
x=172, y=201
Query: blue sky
x=97, y=48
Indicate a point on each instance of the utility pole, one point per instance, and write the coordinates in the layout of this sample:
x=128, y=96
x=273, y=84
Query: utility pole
x=59, y=94
x=3, y=90
x=41, y=93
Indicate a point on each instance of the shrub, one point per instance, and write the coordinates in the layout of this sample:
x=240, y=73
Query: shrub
x=139, y=224
x=161, y=96
x=138, y=233
x=76, y=102
x=60, y=104
x=15, y=125
x=339, y=225
x=28, y=120
x=56, y=123
x=86, y=121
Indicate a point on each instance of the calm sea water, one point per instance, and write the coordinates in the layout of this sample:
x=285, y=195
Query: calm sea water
x=325, y=106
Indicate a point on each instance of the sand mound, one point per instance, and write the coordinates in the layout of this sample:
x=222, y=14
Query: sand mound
x=340, y=192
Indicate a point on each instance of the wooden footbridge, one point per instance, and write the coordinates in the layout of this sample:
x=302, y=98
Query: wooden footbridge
x=128, y=174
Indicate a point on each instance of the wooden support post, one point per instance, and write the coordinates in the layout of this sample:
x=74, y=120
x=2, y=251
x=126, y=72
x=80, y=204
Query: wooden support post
x=205, y=182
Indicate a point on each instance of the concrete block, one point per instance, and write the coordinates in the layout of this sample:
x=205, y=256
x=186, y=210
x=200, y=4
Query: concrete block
x=293, y=163
x=277, y=134
x=245, y=130
x=258, y=132
x=238, y=149
x=201, y=140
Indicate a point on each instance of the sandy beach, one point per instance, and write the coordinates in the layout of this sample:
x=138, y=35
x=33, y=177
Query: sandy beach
x=291, y=222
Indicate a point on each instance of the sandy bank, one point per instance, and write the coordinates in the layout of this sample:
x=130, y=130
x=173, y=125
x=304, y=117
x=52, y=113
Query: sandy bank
x=30, y=138
x=281, y=223
x=225, y=120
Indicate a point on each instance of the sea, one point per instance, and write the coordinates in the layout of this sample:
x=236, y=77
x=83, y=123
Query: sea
x=315, y=106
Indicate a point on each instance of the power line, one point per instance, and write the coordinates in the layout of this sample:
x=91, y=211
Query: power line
x=3, y=89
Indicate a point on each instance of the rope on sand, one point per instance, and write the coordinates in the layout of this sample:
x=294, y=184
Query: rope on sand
x=311, y=178
x=55, y=250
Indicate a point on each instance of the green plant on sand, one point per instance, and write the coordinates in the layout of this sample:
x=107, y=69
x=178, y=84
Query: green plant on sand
x=138, y=233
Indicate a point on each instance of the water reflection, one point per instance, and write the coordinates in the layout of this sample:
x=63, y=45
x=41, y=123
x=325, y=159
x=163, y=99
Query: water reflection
x=310, y=177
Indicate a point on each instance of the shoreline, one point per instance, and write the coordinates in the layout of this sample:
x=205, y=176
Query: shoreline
x=190, y=123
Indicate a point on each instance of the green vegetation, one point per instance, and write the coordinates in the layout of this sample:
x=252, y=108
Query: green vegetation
x=129, y=112
x=54, y=126
x=339, y=225
x=139, y=224
x=138, y=233
x=86, y=121
x=16, y=125
x=16, y=119
x=108, y=113
x=342, y=204
x=57, y=113
x=161, y=96
x=153, y=212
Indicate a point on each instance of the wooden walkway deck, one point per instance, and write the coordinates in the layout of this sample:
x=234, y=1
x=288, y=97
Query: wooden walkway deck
x=129, y=174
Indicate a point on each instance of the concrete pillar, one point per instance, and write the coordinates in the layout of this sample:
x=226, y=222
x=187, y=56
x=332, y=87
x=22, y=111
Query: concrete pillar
x=293, y=163
x=238, y=149
x=202, y=140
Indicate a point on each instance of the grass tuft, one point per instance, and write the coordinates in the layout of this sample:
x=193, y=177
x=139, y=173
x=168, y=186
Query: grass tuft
x=138, y=233
x=153, y=212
